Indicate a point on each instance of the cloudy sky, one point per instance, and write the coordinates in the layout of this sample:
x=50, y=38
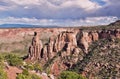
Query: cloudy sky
x=59, y=12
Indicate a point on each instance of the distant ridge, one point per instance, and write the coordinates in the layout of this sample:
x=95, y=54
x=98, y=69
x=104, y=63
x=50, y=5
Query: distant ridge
x=14, y=25
x=24, y=26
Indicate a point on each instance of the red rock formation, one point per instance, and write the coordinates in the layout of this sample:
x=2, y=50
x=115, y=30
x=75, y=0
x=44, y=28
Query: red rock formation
x=109, y=34
x=50, y=48
x=67, y=45
x=45, y=53
x=83, y=40
x=117, y=33
x=59, y=42
x=75, y=53
x=104, y=34
x=55, y=69
x=35, y=48
x=67, y=41
x=94, y=36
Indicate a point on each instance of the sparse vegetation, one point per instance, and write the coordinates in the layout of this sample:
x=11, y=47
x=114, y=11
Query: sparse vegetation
x=101, y=61
x=34, y=76
x=14, y=60
x=3, y=74
x=26, y=75
x=29, y=66
x=36, y=67
x=70, y=75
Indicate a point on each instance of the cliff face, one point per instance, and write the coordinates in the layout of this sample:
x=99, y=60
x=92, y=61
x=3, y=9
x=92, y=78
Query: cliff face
x=67, y=48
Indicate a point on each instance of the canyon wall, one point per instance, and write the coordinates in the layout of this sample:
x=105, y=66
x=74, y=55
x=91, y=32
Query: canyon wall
x=67, y=47
x=68, y=41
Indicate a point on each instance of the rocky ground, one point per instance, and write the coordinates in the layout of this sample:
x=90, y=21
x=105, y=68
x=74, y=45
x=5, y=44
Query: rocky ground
x=102, y=61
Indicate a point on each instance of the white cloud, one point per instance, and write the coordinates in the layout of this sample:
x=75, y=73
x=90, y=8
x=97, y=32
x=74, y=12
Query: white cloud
x=27, y=2
x=13, y=20
x=2, y=8
x=62, y=10
x=90, y=21
x=58, y=4
x=85, y=4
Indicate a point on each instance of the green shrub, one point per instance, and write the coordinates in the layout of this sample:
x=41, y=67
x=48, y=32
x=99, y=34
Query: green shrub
x=25, y=72
x=1, y=61
x=26, y=75
x=3, y=75
x=22, y=76
x=48, y=70
x=70, y=75
x=37, y=67
x=14, y=60
x=1, y=58
x=29, y=67
x=34, y=76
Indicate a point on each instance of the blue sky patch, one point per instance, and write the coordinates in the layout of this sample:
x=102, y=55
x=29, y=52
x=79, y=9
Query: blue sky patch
x=100, y=2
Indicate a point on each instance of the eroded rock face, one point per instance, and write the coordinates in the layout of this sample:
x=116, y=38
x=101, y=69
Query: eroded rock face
x=93, y=36
x=67, y=41
x=35, y=48
x=117, y=33
x=83, y=40
x=50, y=48
x=64, y=39
x=68, y=47
x=59, y=42
x=45, y=53
x=109, y=34
x=75, y=54
x=104, y=34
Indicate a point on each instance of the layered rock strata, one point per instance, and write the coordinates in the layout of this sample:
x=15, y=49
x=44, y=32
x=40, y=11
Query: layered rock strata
x=68, y=41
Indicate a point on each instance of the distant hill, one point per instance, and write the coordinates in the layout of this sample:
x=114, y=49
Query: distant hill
x=23, y=26
x=116, y=23
x=14, y=25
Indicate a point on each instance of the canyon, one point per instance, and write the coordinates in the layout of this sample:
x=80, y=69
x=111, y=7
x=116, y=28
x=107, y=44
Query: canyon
x=67, y=48
x=59, y=49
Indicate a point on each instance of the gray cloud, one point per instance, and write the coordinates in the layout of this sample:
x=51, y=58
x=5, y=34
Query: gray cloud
x=88, y=21
x=58, y=9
